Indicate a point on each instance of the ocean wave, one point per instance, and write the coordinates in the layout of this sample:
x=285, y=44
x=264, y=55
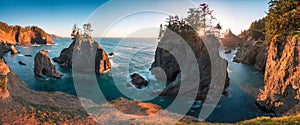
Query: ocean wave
x=113, y=64
x=35, y=45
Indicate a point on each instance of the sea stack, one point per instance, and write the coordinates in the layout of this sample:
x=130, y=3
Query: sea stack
x=44, y=67
x=181, y=46
x=87, y=54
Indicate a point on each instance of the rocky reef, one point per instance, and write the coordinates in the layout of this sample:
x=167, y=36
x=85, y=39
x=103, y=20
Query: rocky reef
x=88, y=54
x=282, y=77
x=23, y=35
x=44, y=67
x=165, y=60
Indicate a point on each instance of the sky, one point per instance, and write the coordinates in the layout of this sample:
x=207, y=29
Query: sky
x=121, y=18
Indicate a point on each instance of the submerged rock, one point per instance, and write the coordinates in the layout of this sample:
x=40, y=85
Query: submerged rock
x=282, y=78
x=227, y=51
x=138, y=81
x=44, y=67
x=21, y=63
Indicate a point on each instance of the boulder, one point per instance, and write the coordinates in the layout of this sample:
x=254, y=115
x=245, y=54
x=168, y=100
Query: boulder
x=281, y=90
x=44, y=67
x=138, y=81
x=227, y=51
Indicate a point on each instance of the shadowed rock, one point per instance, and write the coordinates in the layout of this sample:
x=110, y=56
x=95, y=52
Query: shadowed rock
x=44, y=67
x=138, y=81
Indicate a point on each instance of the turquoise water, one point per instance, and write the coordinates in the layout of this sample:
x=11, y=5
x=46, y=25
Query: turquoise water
x=239, y=105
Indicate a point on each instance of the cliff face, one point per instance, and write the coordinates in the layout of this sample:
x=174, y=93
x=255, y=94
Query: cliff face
x=20, y=35
x=282, y=77
x=83, y=50
x=4, y=70
x=252, y=52
x=170, y=65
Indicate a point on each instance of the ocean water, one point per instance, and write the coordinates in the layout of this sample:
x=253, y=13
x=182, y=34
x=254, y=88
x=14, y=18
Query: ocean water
x=239, y=105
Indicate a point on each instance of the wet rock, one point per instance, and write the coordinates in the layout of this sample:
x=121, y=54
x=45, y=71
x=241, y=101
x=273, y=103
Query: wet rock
x=138, y=81
x=227, y=51
x=27, y=55
x=111, y=54
x=13, y=50
x=44, y=67
x=21, y=63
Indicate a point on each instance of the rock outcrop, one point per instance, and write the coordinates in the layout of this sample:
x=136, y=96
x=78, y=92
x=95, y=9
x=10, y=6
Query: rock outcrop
x=20, y=35
x=172, y=73
x=13, y=50
x=230, y=40
x=282, y=77
x=4, y=70
x=87, y=53
x=138, y=81
x=252, y=52
x=44, y=67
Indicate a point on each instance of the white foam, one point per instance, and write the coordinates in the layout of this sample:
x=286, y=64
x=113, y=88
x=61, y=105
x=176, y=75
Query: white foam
x=113, y=64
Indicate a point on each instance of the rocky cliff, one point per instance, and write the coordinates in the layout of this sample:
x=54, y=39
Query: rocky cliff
x=87, y=53
x=165, y=60
x=252, y=52
x=44, y=67
x=23, y=35
x=4, y=70
x=230, y=40
x=282, y=77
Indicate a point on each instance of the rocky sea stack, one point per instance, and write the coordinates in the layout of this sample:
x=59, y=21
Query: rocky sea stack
x=87, y=53
x=44, y=67
x=180, y=42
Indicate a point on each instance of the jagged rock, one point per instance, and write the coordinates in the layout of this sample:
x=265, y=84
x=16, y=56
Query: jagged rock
x=87, y=53
x=138, y=81
x=230, y=40
x=44, y=67
x=252, y=52
x=171, y=69
x=22, y=63
x=282, y=77
x=4, y=70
